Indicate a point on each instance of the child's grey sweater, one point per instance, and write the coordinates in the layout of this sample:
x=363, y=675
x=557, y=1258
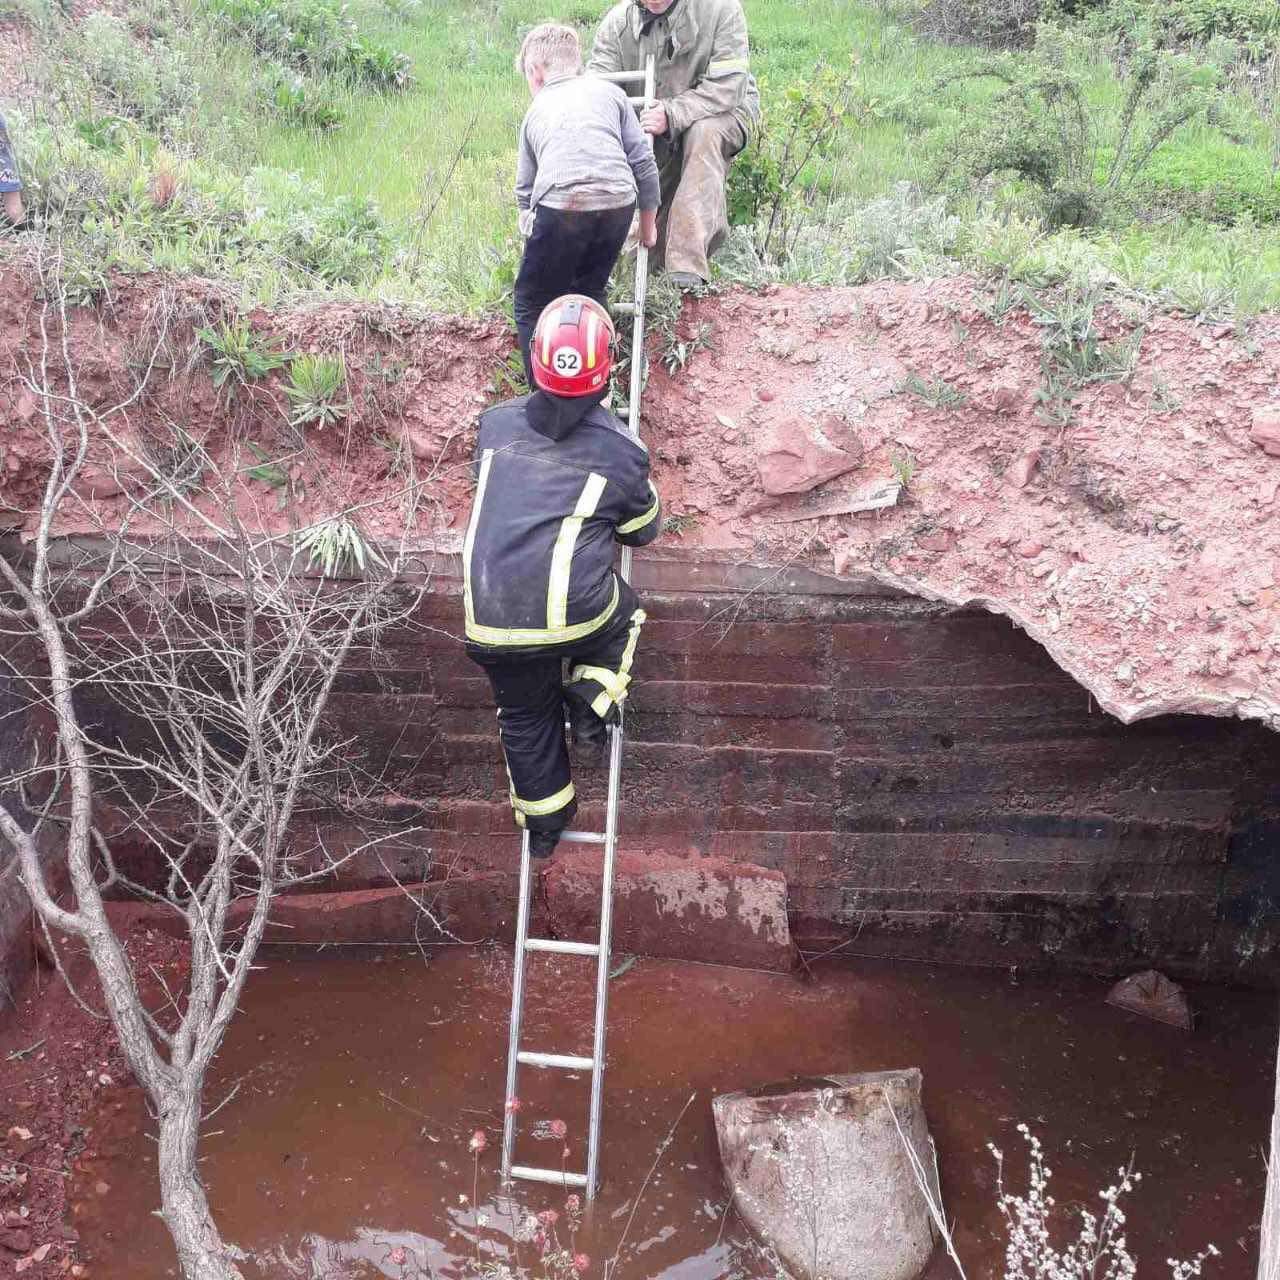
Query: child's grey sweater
x=581, y=147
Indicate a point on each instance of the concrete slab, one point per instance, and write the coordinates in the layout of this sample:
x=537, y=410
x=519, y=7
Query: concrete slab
x=708, y=909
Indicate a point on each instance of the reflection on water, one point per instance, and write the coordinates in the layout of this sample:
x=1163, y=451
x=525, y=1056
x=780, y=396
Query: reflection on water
x=363, y=1077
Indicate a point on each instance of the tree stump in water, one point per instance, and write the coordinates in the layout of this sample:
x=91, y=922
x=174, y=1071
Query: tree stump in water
x=820, y=1170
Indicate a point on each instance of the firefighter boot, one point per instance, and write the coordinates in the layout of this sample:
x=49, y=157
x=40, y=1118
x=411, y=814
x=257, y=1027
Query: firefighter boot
x=588, y=731
x=542, y=844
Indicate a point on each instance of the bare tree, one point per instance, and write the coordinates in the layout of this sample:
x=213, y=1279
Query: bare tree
x=185, y=660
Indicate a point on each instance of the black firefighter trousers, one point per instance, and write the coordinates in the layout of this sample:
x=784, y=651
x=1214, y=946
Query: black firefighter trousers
x=532, y=693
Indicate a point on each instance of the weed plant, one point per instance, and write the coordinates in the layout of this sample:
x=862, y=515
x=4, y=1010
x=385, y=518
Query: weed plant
x=315, y=386
x=937, y=393
x=336, y=546
x=1099, y=1250
x=240, y=356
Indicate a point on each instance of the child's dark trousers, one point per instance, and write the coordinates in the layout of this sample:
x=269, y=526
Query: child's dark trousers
x=568, y=251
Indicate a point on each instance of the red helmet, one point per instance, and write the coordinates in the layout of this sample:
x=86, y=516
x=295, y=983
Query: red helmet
x=573, y=346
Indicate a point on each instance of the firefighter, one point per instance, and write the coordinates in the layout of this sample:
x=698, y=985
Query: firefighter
x=707, y=106
x=560, y=480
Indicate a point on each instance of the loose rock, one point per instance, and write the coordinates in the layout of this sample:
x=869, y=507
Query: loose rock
x=1022, y=468
x=1153, y=995
x=1007, y=397
x=798, y=458
x=15, y=1239
x=828, y=1158
x=1265, y=430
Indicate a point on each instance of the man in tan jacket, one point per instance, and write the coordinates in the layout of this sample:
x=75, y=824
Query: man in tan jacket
x=706, y=106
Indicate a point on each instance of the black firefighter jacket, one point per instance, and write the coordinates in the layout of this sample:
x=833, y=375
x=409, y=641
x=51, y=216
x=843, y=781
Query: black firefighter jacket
x=558, y=482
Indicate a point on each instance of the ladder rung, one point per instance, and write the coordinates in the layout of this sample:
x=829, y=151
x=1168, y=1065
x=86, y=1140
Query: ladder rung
x=562, y=948
x=556, y=1176
x=623, y=308
x=637, y=100
x=619, y=77
x=582, y=837
x=564, y=1060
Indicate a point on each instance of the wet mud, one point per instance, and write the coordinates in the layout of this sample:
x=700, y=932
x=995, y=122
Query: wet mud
x=361, y=1079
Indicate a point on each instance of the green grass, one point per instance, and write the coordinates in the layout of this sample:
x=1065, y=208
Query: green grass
x=469, y=100
x=458, y=125
x=438, y=158
x=447, y=146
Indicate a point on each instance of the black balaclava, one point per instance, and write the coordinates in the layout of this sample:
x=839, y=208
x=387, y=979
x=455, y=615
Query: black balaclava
x=556, y=416
x=647, y=19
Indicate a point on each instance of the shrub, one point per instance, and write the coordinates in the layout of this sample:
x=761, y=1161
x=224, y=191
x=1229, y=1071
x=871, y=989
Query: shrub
x=124, y=205
x=773, y=181
x=313, y=36
x=998, y=24
x=340, y=241
x=1254, y=24
x=1042, y=126
x=298, y=101
x=151, y=84
x=900, y=234
x=336, y=241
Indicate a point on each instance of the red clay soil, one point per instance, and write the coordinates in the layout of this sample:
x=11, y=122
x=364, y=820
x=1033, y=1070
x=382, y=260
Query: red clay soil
x=62, y=1075
x=1138, y=543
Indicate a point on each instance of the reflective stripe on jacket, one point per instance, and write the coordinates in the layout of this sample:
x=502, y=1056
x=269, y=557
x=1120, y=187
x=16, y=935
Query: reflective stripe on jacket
x=702, y=62
x=538, y=557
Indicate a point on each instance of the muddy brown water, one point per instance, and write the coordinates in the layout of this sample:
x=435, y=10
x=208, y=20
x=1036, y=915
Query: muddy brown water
x=362, y=1076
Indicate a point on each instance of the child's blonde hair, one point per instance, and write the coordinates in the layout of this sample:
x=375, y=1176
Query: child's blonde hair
x=551, y=46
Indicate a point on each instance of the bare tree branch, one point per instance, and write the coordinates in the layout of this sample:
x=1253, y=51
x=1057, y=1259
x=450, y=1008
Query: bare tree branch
x=186, y=662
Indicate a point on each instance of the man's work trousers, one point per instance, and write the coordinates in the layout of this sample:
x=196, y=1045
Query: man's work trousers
x=531, y=691
x=693, y=219
x=568, y=251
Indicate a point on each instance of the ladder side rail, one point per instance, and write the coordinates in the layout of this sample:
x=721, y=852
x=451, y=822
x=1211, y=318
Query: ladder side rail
x=638, y=317
x=517, y=1011
x=603, y=962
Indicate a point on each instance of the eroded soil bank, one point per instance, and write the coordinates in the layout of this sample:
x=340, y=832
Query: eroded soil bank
x=1128, y=524
x=362, y=1075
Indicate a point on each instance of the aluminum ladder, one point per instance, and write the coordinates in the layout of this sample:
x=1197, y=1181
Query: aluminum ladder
x=608, y=838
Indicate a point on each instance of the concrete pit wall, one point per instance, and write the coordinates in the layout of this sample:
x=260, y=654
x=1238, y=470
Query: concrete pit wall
x=929, y=782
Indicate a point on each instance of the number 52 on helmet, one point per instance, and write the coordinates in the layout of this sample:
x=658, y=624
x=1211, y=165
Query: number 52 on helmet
x=573, y=346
